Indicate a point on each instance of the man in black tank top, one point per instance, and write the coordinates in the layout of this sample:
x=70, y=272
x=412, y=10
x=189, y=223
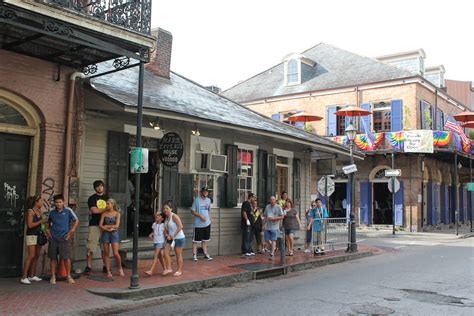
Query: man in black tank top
x=96, y=203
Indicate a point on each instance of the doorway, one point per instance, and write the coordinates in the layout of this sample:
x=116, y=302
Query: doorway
x=383, y=212
x=338, y=201
x=149, y=203
x=14, y=165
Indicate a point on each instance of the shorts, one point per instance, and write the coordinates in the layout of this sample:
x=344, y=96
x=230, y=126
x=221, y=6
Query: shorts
x=271, y=234
x=179, y=243
x=201, y=234
x=93, y=238
x=59, y=246
x=290, y=231
x=31, y=240
x=309, y=235
x=110, y=237
x=159, y=245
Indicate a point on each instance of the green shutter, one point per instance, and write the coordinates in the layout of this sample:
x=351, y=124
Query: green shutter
x=170, y=186
x=186, y=190
x=271, y=172
x=261, y=178
x=231, y=177
x=117, y=162
x=297, y=183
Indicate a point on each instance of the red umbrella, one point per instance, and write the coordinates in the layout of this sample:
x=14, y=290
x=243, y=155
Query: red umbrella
x=304, y=117
x=469, y=124
x=466, y=116
x=352, y=111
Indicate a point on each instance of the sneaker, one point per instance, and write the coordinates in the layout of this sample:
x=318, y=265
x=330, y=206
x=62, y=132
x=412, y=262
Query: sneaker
x=35, y=278
x=247, y=254
x=25, y=281
x=207, y=257
x=87, y=271
x=307, y=251
x=195, y=258
x=252, y=253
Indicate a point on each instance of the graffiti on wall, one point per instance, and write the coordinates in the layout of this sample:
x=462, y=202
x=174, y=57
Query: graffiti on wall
x=47, y=193
x=10, y=194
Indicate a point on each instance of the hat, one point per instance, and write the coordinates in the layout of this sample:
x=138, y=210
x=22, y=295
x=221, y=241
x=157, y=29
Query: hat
x=204, y=189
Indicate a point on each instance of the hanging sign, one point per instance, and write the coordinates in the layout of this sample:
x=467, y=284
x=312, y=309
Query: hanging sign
x=138, y=160
x=170, y=149
x=419, y=141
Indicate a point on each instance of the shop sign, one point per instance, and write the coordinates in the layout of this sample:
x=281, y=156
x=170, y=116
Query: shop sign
x=138, y=160
x=170, y=149
x=419, y=141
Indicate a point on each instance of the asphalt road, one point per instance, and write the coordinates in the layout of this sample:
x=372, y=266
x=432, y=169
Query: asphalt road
x=426, y=274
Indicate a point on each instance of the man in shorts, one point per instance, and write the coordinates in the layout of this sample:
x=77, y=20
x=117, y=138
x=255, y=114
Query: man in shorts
x=273, y=216
x=202, y=223
x=60, y=229
x=96, y=203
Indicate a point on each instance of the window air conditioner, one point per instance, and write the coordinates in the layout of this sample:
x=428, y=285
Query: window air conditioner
x=218, y=163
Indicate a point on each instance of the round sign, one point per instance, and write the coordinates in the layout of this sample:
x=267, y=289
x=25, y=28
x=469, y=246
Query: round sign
x=170, y=149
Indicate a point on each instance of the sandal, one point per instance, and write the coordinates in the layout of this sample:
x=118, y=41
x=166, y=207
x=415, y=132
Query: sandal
x=166, y=272
x=291, y=253
x=52, y=281
x=177, y=274
x=109, y=275
x=70, y=280
x=149, y=273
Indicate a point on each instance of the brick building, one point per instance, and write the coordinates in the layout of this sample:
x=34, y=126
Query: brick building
x=403, y=96
x=43, y=46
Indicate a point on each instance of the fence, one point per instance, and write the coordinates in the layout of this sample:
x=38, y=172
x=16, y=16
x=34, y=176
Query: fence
x=334, y=234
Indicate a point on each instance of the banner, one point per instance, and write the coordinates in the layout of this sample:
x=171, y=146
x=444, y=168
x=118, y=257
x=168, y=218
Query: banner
x=419, y=141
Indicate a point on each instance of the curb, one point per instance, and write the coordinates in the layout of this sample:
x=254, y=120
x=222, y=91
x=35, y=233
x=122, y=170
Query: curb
x=190, y=286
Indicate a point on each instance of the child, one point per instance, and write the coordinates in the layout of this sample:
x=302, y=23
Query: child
x=109, y=224
x=158, y=236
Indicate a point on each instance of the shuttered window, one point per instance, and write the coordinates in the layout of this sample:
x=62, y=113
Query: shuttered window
x=396, y=118
x=170, y=187
x=261, y=178
x=365, y=121
x=297, y=183
x=117, y=162
x=271, y=172
x=331, y=121
x=231, y=176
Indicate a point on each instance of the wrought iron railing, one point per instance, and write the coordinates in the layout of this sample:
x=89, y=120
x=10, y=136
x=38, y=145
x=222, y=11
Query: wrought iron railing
x=133, y=15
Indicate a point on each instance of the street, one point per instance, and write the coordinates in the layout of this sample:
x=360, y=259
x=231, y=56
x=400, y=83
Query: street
x=424, y=274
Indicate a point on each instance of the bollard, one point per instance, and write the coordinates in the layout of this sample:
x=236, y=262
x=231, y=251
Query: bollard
x=281, y=246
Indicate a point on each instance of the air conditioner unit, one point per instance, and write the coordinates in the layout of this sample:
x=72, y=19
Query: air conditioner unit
x=218, y=163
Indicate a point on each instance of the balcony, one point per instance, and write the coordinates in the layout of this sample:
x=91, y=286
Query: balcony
x=134, y=15
x=77, y=33
x=443, y=141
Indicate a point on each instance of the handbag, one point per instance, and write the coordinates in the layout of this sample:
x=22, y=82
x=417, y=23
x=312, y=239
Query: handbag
x=42, y=239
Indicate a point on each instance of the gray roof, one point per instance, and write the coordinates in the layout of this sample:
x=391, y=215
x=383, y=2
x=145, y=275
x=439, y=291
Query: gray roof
x=334, y=68
x=184, y=97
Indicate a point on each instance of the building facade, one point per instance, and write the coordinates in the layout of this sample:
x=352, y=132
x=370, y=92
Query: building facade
x=400, y=98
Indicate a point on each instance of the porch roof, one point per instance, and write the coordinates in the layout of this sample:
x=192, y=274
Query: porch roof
x=182, y=97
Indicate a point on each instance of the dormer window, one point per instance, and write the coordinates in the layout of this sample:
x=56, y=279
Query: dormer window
x=293, y=72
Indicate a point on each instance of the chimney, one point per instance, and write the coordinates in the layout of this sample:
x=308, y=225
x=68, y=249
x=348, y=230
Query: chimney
x=160, y=61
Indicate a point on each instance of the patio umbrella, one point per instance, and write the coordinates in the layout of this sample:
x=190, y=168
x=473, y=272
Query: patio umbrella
x=304, y=117
x=466, y=116
x=469, y=124
x=353, y=111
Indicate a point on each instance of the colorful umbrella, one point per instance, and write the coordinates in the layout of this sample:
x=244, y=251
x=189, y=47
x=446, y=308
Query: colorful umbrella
x=352, y=111
x=304, y=117
x=466, y=116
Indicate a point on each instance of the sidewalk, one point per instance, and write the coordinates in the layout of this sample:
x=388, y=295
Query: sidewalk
x=42, y=298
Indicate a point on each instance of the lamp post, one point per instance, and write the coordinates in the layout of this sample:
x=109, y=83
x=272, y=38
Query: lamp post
x=351, y=132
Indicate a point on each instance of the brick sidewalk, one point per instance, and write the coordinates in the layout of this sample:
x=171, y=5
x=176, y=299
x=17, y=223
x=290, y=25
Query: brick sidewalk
x=42, y=298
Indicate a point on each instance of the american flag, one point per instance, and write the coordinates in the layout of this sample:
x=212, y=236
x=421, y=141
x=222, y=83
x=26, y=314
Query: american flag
x=455, y=128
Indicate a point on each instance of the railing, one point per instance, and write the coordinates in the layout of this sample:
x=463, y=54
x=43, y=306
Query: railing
x=334, y=234
x=133, y=15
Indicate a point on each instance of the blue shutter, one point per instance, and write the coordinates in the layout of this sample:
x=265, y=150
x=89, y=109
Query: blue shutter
x=365, y=121
x=365, y=203
x=436, y=211
x=439, y=120
x=276, y=116
x=444, y=209
x=422, y=118
x=464, y=210
x=396, y=115
x=429, y=215
x=461, y=202
x=399, y=206
x=348, y=200
x=331, y=121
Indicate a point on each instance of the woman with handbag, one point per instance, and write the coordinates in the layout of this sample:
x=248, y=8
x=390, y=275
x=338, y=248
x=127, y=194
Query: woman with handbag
x=33, y=238
x=174, y=237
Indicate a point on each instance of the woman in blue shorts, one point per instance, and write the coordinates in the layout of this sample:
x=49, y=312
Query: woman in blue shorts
x=109, y=224
x=174, y=235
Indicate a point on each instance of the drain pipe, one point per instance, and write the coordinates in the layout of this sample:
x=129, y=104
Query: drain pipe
x=68, y=142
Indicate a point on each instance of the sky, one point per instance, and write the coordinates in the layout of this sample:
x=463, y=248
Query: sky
x=224, y=42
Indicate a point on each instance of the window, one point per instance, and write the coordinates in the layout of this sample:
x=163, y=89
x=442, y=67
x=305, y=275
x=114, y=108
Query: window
x=245, y=173
x=382, y=113
x=292, y=72
x=204, y=180
x=282, y=172
x=9, y=115
x=426, y=114
x=340, y=123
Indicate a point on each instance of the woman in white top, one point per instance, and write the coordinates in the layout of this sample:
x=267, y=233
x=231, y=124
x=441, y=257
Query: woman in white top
x=158, y=236
x=173, y=233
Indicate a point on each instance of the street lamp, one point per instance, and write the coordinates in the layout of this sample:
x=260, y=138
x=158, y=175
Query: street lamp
x=351, y=132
